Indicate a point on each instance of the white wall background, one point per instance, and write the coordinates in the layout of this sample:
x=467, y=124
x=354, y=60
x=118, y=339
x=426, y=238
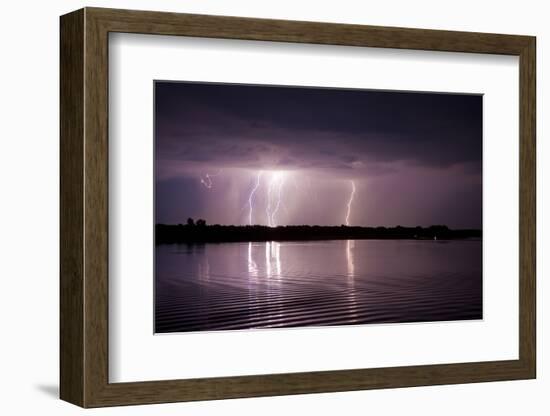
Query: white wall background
x=29, y=208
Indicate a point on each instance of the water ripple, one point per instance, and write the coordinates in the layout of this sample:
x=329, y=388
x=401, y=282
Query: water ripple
x=277, y=285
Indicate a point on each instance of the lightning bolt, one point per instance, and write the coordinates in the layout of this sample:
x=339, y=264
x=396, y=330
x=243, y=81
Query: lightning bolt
x=275, y=186
x=207, y=180
x=280, y=188
x=251, y=197
x=268, y=207
x=350, y=201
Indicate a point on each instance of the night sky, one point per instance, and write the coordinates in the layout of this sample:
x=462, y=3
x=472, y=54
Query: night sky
x=240, y=154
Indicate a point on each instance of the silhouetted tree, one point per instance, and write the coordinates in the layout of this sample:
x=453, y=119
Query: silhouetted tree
x=200, y=232
x=190, y=222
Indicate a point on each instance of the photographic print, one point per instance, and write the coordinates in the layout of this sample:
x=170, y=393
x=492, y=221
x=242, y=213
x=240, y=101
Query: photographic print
x=287, y=206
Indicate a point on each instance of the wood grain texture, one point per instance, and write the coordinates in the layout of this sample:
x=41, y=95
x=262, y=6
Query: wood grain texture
x=96, y=217
x=162, y=23
x=71, y=99
x=84, y=207
x=527, y=207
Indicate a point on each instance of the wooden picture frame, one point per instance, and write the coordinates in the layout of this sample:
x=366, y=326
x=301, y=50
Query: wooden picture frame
x=84, y=207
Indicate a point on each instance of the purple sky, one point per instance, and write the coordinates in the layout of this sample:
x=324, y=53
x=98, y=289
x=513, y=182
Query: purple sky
x=412, y=158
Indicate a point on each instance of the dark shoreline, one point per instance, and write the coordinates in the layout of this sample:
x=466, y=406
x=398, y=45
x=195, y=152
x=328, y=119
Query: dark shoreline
x=175, y=234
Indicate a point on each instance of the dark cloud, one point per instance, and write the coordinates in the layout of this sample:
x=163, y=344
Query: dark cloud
x=307, y=128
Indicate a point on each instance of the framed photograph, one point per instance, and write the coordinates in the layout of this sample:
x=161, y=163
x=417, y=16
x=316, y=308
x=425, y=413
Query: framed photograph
x=255, y=207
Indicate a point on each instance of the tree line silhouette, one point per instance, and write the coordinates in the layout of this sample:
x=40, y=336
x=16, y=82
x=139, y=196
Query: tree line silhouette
x=200, y=232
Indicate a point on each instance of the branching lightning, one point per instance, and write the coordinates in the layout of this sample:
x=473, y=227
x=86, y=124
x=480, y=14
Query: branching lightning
x=277, y=195
x=275, y=187
x=280, y=183
x=268, y=205
x=207, y=180
x=274, y=200
x=350, y=201
x=251, y=197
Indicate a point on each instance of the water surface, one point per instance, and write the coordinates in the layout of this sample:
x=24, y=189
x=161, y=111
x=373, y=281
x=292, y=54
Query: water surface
x=230, y=286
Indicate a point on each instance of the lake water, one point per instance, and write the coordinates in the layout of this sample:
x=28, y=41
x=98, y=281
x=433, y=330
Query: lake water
x=231, y=286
